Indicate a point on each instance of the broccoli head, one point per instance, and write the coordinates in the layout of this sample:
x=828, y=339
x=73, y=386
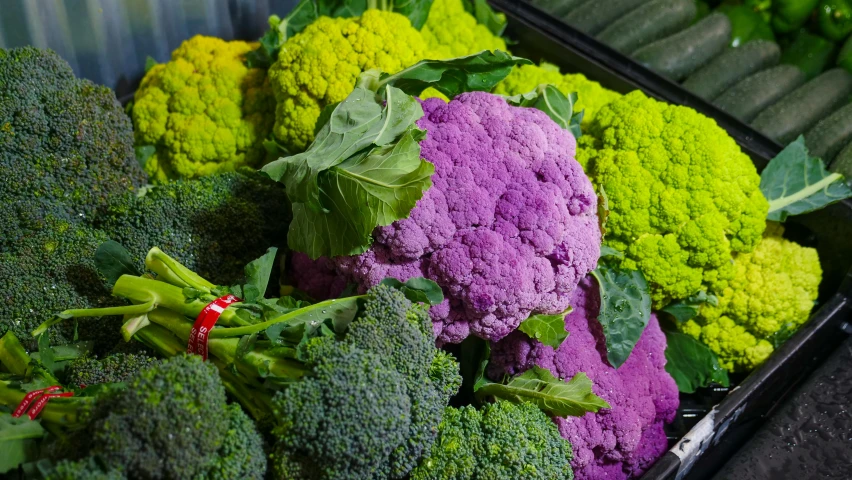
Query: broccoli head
x=388, y=355
x=214, y=225
x=66, y=145
x=591, y=96
x=52, y=270
x=204, y=111
x=683, y=198
x=501, y=441
x=771, y=295
x=115, y=368
x=87, y=468
x=450, y=31
x=241, y=454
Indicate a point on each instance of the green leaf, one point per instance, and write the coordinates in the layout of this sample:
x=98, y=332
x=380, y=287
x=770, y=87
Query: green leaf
x=692, y=364
x=417, y=11
x=689, y=308
x=553, y=396
x=547, y=329
x=143, y=153
x=607, y=251
x=478, y=72
x=782, y=335
x=485, y=15
x=19, y=441
x=150, y=63
x=795, y=183
x=113, y=260
x=258, y=271
x=418, y=289
x=625, y=310
x=47, y=357
x=555, y=104
x=310, y=320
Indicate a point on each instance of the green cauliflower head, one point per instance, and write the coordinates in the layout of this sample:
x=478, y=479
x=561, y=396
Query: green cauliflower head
x=770, y=296
x=319, y=66
x=204, y=111
x=683, y=198
x=450, y=31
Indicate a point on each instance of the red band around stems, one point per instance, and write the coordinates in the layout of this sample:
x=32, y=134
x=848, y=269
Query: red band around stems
x=38, y=406
x=208, y=317
x=28, y=399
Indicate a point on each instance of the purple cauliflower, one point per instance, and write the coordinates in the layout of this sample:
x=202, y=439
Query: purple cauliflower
x=616, y=443
x=508, y=228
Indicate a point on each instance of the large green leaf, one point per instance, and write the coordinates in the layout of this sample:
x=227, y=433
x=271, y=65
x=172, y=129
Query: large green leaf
x=684, y=310
x=795, y=183
x=258, y=271
x=692, y=364
x=18, y=440
x=625, y=310
x=553, y=396
x=547, y=329
x=555, y=104
x=478, y=72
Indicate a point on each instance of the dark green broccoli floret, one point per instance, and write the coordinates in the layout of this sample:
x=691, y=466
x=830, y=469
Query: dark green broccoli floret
x=87, y=468
x=52, y=270
x=111, y=369
x=214, y=225
x=343, y=420
x=66, y=145
x=501, y=441
x=168, y=423
x=390, y=325
x=241, y=454
x=371, y=404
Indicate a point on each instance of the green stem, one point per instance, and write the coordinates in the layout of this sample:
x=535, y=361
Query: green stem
x=259, y=327
x=172, y=271
x=65, y=412
x=13, y=356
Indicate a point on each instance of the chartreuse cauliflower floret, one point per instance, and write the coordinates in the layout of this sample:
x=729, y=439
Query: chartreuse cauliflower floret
x=683, y=198
x=204, y=111
x=770, y=296
x=319, y=66
x=508, y=228
x=591, y=96
x=450, y=31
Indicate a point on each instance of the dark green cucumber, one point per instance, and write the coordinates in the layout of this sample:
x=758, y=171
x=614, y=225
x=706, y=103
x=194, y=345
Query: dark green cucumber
x=558, y=8
x=842, y=163
x=802, y=108
x=648, y=23
x=732, y=66
x=757, y=92
x=593, y=16
x=679, y=55
x=830, y=134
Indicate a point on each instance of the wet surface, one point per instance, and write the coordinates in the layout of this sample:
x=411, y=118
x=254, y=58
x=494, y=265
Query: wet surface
x=810, y=436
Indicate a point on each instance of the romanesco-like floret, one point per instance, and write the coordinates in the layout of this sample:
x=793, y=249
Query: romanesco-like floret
x=319, y=66
x=683, y=197
x=205, y=111
x=591, y=96
x=771, y=294
x=450, y=31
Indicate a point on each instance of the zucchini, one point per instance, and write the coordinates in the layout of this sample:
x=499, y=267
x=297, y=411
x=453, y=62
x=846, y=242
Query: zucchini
x=558, y=8
x=732, y=66
x=650, y=22
x=842, y=163
x=593, y=16
x=679, y=55
x=800, y=109
x=757, y=92
x=830, y=134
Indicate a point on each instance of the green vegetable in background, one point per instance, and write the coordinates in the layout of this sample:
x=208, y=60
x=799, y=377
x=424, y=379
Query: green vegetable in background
x=812, y=54
x=762, y=8
x=703, y=9
x=835, y=18
x=691, y=364
x=746, y=25
x=844, y=58
x=788, y=15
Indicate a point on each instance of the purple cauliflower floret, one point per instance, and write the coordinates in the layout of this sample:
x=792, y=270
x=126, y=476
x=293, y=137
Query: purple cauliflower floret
x=616, y=443
x=508, y=228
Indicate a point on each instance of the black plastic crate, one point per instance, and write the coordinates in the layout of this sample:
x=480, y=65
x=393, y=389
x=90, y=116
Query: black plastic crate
x=715, y=422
